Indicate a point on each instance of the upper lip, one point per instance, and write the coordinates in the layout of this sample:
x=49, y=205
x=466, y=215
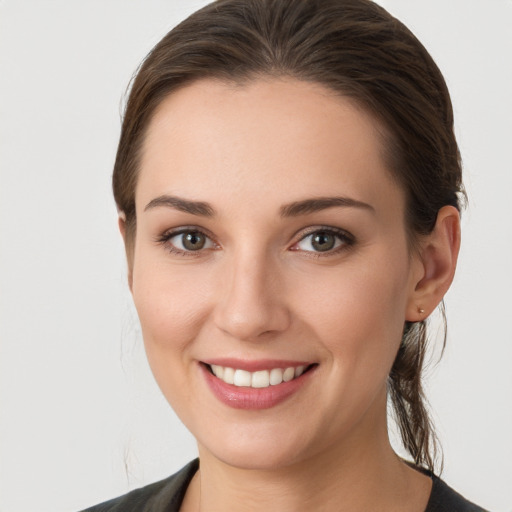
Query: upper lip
x=256, y=364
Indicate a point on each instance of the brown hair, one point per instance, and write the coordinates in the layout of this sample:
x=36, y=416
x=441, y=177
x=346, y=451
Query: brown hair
x=353, y=47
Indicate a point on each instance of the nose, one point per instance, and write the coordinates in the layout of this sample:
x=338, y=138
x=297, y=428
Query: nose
x=252, y=301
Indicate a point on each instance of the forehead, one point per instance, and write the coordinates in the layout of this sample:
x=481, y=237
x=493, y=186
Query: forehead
x=277, y=138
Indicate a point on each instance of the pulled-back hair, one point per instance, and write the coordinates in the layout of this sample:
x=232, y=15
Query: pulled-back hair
x=357, y=49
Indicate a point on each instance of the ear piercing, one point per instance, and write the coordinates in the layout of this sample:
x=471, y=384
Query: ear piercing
x=421, y=310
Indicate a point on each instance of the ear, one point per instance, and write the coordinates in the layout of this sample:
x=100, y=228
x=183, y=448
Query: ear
x=121, y=222
x=435, y=266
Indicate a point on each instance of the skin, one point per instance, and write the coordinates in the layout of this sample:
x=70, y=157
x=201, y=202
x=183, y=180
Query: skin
x=259, y=290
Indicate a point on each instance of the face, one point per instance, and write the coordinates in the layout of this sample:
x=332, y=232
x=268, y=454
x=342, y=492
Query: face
x=271, y=269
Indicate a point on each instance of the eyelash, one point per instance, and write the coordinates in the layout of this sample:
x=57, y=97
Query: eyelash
x=346, y=240
x=165, y=238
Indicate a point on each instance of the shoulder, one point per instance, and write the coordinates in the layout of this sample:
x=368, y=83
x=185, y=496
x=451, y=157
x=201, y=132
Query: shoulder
x=165, y=495
x=444, y=499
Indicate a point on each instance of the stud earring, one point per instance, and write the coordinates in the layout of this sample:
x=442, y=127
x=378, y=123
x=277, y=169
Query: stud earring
x=421, y=310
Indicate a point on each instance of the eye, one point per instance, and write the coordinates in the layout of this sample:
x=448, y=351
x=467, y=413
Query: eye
x=187, y=241
x=324, y=241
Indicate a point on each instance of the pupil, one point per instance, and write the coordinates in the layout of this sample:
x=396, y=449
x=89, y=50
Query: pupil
x=193, y=241
x=323, y=242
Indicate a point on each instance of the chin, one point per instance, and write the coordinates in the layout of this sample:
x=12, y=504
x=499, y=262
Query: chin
x=265, y=447
x=257, y=456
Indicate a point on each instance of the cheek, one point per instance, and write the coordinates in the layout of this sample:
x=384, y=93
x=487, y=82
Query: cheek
x=171, y=303
x=358, y=311
x=171, y=308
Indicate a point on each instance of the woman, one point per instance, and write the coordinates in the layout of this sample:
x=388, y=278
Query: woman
x=289, y=187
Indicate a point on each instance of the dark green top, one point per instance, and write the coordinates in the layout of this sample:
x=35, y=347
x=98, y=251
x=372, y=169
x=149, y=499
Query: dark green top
x=167, y=496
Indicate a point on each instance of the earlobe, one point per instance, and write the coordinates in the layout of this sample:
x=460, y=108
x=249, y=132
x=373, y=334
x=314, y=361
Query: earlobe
x=121, y=222
x=437, y=262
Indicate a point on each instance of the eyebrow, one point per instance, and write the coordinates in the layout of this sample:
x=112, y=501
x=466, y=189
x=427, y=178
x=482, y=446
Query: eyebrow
x=321, y=203
x=183, y=205
x=294, y=209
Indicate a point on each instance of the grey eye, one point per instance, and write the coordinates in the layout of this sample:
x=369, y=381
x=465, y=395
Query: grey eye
x=320, y=241
x=323, y=241
x=191, y=241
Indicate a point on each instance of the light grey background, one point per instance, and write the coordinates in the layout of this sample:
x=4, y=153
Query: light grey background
x=81, y=418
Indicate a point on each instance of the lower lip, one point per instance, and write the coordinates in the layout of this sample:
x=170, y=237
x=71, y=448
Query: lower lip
x=239, y=397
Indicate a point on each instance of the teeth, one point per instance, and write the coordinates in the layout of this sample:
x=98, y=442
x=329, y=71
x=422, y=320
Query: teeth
x=242, y=378
x=259, y=379
x=288, y=374
x=276, y=376
x=218, y=371
x=228, y=375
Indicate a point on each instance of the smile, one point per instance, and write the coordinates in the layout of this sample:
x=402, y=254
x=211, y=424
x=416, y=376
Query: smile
x=257, y=379
x=261, y=384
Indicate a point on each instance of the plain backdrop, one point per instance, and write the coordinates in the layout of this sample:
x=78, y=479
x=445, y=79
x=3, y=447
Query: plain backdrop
x=81, y=418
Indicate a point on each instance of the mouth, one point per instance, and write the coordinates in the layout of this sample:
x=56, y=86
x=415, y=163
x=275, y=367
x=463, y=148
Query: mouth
x=259, y=379
x=256, y=384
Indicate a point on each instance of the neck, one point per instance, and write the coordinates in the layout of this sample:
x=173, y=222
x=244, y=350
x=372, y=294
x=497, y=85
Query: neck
x=358, y=474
